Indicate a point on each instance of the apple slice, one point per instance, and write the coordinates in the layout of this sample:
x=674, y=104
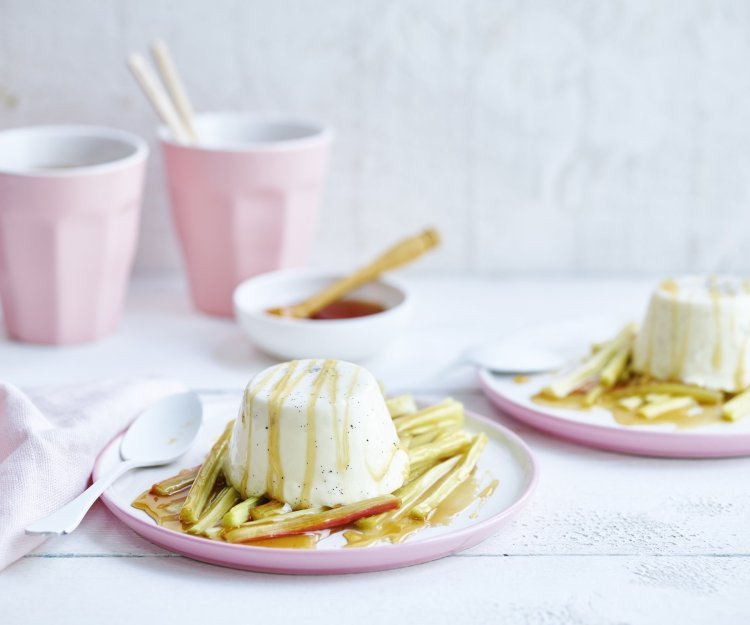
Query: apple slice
x=335, y=517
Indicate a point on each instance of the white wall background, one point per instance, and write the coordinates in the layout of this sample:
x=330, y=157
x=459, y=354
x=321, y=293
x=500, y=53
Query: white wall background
x=539, y=135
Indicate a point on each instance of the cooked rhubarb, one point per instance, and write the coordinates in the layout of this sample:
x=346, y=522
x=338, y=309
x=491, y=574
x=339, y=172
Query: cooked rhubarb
x=221, y=504
x=175, y=483
x=335, y=517
x=204, y=482
x=240, y=513
x=455, y=478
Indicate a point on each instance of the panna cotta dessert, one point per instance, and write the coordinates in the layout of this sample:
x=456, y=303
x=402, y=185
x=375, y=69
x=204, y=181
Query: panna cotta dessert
x=315, y=433
x=696, y=331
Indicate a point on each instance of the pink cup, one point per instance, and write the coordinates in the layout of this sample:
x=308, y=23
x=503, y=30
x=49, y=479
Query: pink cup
x=69, y=209
x=244, y=199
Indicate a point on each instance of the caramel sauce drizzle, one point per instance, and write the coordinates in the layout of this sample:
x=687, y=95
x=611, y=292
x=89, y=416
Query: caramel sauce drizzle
x=342, y=456
x=679, y=365
x=716, y=302
x=379, y=474
x=483, y=496
x=647, y=366
x=333, y=396
x=326, y=371
x=279, y=394
x=247, y=413
x=674, y=343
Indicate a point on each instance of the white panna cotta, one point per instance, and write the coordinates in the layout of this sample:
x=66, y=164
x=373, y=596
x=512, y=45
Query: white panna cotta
x=315, y=433
x=696, y=332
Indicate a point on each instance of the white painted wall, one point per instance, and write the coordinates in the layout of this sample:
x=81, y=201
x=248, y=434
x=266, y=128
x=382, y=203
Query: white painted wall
x=539, y=135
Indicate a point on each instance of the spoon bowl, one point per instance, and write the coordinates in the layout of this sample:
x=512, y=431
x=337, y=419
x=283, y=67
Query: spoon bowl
x=164, y=431
x=512, y=357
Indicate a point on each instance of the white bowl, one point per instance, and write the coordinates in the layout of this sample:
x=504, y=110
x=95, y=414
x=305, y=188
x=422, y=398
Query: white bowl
x=343, y=339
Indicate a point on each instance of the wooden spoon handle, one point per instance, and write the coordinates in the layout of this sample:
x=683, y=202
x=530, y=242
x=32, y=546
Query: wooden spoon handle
x=400, y=254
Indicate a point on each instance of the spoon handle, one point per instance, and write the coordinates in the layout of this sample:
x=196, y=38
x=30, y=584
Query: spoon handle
x=67, y=518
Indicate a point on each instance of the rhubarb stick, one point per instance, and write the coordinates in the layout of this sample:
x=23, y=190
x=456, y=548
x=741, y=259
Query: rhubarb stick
x=175, y=483
x=701, y=395
x=668, y=406
x=737, y=407
x=222, y=503
x=591, y=367
x=420, y=439
x=443, y=448
x=447, y=412
x=335, y=517
x=412, y=492
x=593, y=395
x=401, y=405
x=272, y=508
x=616, y=366
x=204, y=482
x=454, y=479
x=240, y=513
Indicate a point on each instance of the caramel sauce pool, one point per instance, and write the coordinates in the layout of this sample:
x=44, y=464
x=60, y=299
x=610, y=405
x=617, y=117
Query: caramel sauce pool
x=165, y=510
x=708, y=414
x=348, y=309
x=459, y=500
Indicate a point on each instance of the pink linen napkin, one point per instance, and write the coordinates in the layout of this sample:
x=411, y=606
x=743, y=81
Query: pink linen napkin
x=49, y=440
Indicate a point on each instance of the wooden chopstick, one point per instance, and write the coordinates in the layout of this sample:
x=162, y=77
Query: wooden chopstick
x=158, y=97
x=174, y=85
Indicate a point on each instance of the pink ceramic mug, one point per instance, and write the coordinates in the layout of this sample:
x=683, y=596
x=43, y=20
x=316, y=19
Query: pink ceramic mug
x=69, y=210
x=244, y=199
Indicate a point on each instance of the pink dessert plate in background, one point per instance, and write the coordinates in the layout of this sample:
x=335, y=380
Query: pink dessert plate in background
x=596, y=427
x=506, y=458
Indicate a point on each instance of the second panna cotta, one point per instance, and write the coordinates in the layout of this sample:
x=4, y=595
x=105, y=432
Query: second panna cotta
x=315, y=433
x=696, y=331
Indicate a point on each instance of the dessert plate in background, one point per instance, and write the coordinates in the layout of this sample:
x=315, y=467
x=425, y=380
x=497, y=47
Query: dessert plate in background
x=596, y=427
x=505, y=458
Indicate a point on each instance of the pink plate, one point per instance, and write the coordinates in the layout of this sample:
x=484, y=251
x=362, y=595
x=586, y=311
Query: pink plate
x=596, y=427
x=506, y=458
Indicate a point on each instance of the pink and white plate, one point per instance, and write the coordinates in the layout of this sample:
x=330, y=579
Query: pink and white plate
x=596, y=427
x=506, y=458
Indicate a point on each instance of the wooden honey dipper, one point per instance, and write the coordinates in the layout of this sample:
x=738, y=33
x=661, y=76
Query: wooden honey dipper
x=400, y=254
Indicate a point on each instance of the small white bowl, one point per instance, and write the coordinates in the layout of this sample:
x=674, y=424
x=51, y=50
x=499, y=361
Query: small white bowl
x=353, y=339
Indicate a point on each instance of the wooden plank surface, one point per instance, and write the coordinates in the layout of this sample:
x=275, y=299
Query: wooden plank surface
x=473, y=589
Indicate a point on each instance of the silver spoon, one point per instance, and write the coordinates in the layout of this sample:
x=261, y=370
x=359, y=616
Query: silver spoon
x=509, y=357
x=160, y=435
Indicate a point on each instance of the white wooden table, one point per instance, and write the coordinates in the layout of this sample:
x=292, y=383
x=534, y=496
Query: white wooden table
x=606, y=539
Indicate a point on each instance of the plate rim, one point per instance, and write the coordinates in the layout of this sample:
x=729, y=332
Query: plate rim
x=671, y=444
x=330, y=558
